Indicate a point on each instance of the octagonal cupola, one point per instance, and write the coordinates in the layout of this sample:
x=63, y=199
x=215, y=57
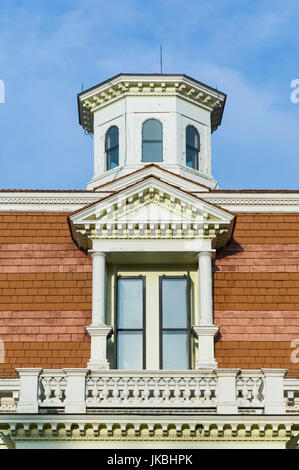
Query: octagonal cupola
x=140, y=119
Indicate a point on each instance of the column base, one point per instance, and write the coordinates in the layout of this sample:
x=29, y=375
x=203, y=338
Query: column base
x=96, y=366
x=206, y=366
x=206, y=357
x=98, y=335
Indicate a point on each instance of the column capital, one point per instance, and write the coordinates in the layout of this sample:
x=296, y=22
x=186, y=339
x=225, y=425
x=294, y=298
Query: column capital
x=206, y=253
x=29, y=371
x=98, y=330
x=97, y=254
x=274, y=372
x=205, y=330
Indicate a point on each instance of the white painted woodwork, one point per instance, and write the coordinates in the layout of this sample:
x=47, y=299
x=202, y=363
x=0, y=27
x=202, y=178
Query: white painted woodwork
x=98, y=287
x=28, y=389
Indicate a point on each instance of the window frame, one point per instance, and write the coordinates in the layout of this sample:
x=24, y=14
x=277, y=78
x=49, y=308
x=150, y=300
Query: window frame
x=188, y=329
x=196, y=167
x=152, y=141
x=143, y=329
x=108, y=150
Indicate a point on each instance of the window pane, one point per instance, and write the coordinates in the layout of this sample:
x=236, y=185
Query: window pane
x=174, y=303
x=112, y=148
x=192, y=158
x=175, y=355
x=130, y=303
x=152, y=152
x=112, y=158
x=192, y=137
x=152, y=130
x=129, y=350
x=111, y=138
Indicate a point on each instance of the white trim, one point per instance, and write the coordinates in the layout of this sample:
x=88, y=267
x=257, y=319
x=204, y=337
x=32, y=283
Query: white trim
x=36, y=201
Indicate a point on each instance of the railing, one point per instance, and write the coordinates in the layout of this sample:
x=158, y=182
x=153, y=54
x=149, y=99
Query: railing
x=222, y=391
x=149, y=389
x=9, y=395
x=52, y=386
x=291, y=395
x=250, y=388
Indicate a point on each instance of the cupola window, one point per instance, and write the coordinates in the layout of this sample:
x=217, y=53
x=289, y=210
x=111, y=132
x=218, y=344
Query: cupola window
x=152, y=141
x=112, y=148
x=192, y=147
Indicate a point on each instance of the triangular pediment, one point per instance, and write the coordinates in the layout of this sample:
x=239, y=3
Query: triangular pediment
x=151, y=209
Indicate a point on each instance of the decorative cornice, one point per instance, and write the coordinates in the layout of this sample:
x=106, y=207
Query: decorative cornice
x=69, y=202
x=256, y=202
x=142, y=429
x=153, y=85
x=58, y=202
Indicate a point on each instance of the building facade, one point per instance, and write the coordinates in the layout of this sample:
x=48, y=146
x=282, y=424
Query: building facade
x=153, y=310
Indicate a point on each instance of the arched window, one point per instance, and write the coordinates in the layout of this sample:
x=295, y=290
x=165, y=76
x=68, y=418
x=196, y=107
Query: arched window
x=112, y=148
x=152, y=141
x=192, y=147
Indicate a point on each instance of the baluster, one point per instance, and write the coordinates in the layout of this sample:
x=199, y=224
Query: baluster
x=146, y=391
x=166, y=391
x=207, y=392
x=197, y=391
x=125, y=392
x=214, y=383
x=136, y=391
x=156, y=390
x=47, y=388
x=115, y=392
x=187, y=391
x=255, y=391
x=95, y=389
x=245, y=391
x=177, y=391
x=58, y=391
x=105, y=391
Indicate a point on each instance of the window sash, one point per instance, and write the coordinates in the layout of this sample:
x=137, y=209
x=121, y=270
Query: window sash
x=184, y=330
x=112, y=148
x=121, y=331
x=152, y=141
x=192, y=159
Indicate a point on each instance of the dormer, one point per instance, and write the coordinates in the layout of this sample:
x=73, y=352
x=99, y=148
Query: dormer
x=139, y=119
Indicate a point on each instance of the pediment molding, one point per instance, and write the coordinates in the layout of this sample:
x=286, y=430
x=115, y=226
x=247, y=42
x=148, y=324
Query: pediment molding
x=151, y=209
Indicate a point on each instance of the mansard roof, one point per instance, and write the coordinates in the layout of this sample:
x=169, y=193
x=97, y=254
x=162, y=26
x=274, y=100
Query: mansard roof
x=45, y=301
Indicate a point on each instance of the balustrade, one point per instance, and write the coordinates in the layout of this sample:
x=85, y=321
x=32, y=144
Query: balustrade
x=151, y=390
x=224, y=391
x=250, y=387
x=52, y=386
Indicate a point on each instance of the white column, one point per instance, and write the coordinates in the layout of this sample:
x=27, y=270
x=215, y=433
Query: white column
x=98, y=330
x=205, y=301
x=98, y=288
x=206, y=330
x=273, y=391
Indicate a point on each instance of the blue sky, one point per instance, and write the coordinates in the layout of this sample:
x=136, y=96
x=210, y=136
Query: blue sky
x=249, y=50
